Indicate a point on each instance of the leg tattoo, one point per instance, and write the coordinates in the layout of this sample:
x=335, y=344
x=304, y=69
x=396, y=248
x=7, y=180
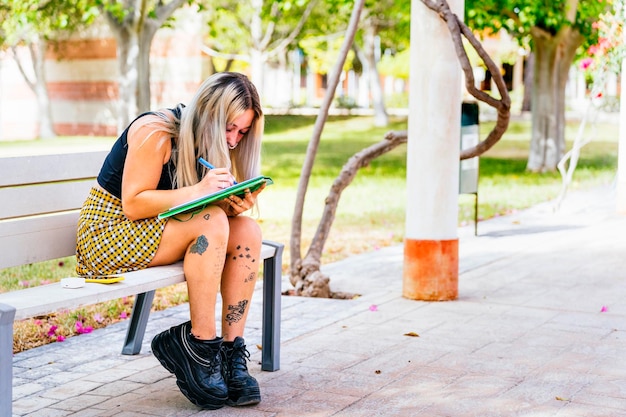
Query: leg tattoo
x=244, y=253
x=200, y=246
x=236, y=312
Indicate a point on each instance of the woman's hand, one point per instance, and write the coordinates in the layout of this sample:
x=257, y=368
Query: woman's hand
x=215, y=180
x=237, y=205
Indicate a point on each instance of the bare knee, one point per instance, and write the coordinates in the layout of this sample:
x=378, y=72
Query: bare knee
x=210, y=227
x=245, y=229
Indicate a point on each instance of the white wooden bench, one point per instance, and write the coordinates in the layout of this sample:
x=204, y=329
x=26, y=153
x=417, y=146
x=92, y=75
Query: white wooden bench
x=39, y=201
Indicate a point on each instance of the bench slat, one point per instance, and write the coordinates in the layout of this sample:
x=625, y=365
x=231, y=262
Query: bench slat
x=43, y=198
x=45, y=299
x=20, y=170
x=52, y=236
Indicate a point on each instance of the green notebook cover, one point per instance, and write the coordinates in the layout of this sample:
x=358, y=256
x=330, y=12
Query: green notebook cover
x=238, y=189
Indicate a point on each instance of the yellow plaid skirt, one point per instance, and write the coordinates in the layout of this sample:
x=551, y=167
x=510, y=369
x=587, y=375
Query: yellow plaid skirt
x=109, y=243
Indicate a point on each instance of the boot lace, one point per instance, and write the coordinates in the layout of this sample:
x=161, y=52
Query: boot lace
x=237, y=357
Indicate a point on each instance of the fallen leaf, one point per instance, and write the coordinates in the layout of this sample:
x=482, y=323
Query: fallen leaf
x=562, y=399
x=259, y=347
x=412, y=334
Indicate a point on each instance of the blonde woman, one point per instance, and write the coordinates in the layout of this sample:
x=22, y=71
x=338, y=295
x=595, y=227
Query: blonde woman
x=154, y=166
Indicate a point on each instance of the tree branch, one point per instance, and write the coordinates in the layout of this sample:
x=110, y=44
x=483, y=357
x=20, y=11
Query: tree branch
x=285, y=42
x=212, y=52
x=503, y=105
x=307, y=167
x=345, y=177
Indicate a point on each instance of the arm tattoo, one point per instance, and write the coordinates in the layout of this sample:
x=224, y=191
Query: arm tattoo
x=236, y=312
x=200, y=246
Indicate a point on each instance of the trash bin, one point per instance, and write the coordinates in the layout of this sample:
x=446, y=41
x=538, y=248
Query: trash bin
x=468, y=170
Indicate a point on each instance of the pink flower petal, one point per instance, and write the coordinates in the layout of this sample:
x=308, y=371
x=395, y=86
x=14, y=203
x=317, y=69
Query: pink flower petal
x=52, y=330
x=81, y=329
x=604, y=309
x=373, y=307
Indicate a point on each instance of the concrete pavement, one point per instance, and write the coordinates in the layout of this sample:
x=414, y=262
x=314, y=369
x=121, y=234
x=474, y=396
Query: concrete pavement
x=539, y=329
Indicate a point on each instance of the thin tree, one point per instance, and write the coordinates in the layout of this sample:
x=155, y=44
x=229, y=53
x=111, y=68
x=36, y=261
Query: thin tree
x=305, y=273
x=134, y=24
x=300, y=271
x=256, y=32
x=36, y=25
x=555, y=30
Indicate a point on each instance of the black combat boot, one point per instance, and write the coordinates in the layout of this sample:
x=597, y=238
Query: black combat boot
x=243, y=389
x=196, y=363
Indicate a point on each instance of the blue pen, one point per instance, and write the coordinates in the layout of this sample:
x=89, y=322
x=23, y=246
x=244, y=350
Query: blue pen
x=205, y=163
x=209, y=165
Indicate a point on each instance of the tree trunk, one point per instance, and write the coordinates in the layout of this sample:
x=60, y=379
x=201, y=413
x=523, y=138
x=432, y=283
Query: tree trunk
x=257, y=60
x=369, y=51
x=38, y=55
x=127, y=58
x=529, y=69
x=553, y=57
x=315, y=284
x=134, y=34
x=37, y=49
x=297, y=274
x=143, y=66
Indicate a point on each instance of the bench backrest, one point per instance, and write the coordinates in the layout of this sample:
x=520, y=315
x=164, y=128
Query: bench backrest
x=40, y=196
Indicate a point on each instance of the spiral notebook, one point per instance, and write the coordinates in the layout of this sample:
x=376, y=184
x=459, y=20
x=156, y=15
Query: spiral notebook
x=238, y=189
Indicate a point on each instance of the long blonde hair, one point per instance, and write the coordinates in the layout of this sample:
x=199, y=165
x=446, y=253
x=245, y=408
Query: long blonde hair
x=201, y=130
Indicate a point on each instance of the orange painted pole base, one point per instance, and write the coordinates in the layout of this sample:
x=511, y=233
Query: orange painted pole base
x=431, y=270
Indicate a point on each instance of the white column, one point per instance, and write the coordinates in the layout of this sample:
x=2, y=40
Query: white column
x=431, y=244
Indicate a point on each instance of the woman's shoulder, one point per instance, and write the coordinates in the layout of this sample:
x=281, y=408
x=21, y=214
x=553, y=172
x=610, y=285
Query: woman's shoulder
x=152, y=128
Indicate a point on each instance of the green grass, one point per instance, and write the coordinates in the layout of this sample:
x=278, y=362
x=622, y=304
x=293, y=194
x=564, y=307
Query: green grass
x=504, y=183
x=361, y=224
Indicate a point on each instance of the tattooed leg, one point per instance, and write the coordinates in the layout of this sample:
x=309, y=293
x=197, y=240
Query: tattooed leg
x=205, y=260
x=240, y=275
x=236, y=312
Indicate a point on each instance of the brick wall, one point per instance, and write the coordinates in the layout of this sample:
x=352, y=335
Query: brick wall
x=81, y=77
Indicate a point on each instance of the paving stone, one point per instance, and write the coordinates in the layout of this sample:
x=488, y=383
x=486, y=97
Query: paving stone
x=538, y=329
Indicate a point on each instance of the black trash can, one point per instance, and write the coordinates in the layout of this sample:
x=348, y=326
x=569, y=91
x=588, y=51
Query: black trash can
x=468, y=169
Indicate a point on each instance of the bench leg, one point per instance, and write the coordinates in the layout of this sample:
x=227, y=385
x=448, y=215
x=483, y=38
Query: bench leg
x=138, y=322
x=7, y=315
x=272, y=278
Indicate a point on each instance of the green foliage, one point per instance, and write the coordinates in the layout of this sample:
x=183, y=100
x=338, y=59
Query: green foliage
x=232, y=25
x=23, y=20
x=519, y=17
x=606, y=56
x=397, y=65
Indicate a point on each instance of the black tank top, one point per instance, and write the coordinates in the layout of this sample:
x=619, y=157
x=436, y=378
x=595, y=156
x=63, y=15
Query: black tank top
x=110, y=176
